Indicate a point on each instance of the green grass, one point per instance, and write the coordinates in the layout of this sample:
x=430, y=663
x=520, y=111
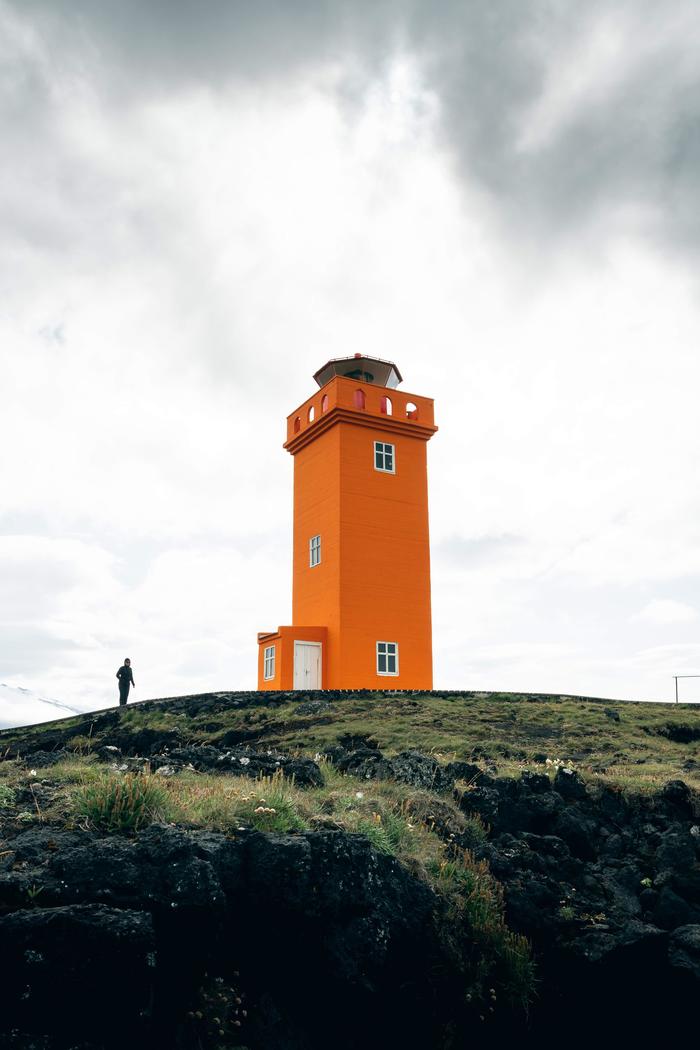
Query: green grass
x=7, y=796
x=511, y=730
x=501, y=959
x=122, y=803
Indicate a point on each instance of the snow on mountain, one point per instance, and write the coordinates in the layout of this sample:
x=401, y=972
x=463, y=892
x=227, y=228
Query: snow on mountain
x=22, y=707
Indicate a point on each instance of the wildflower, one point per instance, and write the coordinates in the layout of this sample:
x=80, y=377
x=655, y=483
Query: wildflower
x=359, y=794
x=244, y=761
x=32, y=772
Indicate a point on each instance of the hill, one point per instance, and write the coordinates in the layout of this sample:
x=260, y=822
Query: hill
x=19, y=705
x=433, y=868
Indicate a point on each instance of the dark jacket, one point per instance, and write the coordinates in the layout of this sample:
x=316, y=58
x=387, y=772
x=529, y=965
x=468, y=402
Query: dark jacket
x=126, y=678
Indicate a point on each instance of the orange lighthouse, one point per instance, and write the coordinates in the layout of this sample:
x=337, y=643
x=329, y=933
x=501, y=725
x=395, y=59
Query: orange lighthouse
x=361, y=579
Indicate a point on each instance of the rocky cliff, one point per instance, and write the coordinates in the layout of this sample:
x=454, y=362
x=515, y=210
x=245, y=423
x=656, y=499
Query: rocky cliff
x=181, y=935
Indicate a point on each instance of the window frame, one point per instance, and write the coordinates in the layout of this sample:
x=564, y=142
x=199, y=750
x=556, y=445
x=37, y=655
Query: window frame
x=269, y=661
x=387, y=655
x=384, y=446
x=315, y=549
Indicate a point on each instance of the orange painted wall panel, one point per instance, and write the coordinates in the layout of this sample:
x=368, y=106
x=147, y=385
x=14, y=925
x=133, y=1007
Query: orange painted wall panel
x=385, y=580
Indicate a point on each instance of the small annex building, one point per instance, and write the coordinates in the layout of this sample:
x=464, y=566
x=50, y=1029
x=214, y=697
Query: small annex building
x=361, y=616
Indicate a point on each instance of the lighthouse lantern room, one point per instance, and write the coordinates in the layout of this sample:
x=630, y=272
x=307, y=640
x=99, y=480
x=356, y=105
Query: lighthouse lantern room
x=361, y=565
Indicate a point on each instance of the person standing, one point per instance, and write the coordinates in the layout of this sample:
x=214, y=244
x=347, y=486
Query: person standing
x=126, y=679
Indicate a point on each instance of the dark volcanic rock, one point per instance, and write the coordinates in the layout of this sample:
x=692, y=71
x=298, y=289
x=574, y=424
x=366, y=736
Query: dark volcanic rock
x=679, y=732
x=66, y=968
x=241, y=761
x=677, y=794
x=187, y=908
x=422, y=771
x=45, y=759
x=365, y=762
x=484, y=801
x=684, y=949
x=313, y=707
x=569, y=784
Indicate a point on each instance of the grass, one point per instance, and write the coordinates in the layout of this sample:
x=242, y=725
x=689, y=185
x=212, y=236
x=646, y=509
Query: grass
x=7, y=796
x=124, y=804
x=500, y=958
x=506, y=729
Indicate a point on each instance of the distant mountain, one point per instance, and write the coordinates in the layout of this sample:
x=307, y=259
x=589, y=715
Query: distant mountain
x=22, y=707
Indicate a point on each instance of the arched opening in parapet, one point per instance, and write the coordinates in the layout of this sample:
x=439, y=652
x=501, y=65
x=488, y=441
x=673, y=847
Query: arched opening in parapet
x=411, y=410
x=324, y=403
x=386, y=406
x=359, y=399
x=311, y=414
x=297, y=424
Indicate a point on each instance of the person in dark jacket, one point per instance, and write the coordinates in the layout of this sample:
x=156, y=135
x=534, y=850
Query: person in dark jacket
x=126, y=679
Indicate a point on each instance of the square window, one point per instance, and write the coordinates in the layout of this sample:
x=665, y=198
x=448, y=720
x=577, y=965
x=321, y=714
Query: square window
x=269, y=662
x=384, y=458
x=387, y=658
x=314, y=551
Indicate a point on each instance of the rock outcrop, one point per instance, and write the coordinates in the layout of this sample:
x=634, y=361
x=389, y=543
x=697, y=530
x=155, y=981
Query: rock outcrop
x=194, y=939
x=109, y=939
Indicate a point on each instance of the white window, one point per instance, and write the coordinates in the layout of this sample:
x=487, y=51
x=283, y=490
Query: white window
x=384, y=458
x=269, y=662
x=387, y=658
x=314, y=551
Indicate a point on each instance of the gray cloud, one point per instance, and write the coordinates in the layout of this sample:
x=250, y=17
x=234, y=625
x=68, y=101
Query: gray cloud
x=628, y=142
x=200, y=202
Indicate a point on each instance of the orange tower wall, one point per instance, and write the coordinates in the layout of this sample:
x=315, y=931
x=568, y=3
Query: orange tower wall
x=373, y=583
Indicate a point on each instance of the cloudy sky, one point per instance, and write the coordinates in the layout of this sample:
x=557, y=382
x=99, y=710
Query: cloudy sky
x=200, y=203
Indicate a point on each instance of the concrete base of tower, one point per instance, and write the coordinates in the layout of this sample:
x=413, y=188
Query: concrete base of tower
x=293, y=658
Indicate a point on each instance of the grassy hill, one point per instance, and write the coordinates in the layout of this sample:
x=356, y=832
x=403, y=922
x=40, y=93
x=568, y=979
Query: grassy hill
x=544, y=842
x=638, y=746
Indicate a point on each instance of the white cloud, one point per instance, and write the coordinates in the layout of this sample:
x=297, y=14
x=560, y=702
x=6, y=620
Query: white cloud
x=667, y=611
x=176, y=262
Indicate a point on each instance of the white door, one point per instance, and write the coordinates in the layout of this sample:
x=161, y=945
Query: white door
x=307, y=665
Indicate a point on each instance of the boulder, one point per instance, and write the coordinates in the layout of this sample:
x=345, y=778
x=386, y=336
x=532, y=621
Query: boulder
x=678, y=795
x=421, y=771
x=569, y=784
x=684, y=949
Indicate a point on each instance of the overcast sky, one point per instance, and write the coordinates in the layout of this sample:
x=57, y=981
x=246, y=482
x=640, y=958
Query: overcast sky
x=200, y=203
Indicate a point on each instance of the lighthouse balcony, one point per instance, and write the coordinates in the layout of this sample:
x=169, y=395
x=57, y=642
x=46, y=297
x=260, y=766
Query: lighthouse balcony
x=364, y=403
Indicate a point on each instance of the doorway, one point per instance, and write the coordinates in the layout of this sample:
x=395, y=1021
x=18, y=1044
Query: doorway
x=307, y=665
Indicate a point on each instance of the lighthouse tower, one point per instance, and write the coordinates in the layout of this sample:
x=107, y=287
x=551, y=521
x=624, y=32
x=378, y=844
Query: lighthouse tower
x=361, y=576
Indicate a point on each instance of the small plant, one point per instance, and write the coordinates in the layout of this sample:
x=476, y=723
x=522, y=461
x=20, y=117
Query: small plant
x=82, y=745
x=475, y=832
x=271, y=806
x=374, y=830
x=33, y=892
x=122, y=803
x=567, y=913
x=7, y=796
